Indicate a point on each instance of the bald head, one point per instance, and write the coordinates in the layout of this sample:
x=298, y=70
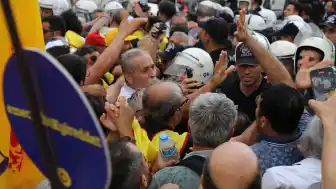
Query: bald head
x=163, y=91
x=161, y=104
x=232, y=165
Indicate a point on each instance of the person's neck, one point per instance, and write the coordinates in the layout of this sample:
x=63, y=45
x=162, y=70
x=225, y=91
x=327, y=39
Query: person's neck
x=280, y=137
x=248, y=90
x=200, y=148
x=130, y=85
x=212, y=47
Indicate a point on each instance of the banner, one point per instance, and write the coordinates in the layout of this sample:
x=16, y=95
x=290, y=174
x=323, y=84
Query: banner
x=75, y=137
x=16, y=169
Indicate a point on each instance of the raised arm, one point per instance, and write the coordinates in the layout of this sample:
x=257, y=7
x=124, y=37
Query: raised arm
x=275, y=70
x=108, y=58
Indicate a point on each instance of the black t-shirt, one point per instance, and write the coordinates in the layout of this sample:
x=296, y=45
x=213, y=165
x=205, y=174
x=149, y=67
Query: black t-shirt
x=246, y=104
x=216, y=53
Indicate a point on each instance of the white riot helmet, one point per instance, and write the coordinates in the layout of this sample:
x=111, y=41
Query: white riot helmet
x=269, y=16
x=283, y=49
x=193, y=62
x=85, y=6
x=57, y=6
x=247, y=1
x=255, y=22
x=154, y=9
x=85, y=10
x=261, y=39
x=228, y=11
x=104, y=3
x=97, y=2
x=112, y=7
x=322, y=44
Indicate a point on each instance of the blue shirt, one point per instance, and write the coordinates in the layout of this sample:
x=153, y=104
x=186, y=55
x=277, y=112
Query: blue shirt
x=273, y=152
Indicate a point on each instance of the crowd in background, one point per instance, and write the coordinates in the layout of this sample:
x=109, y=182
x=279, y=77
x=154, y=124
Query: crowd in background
x=229, y=82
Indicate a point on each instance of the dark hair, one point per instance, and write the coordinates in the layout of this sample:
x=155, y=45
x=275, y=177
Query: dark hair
x=75, y=65
x=297, y=6
x=86, y=49
x=151, y=21
x=241, y=124
x=256, y=184
x=58, y=51
x=72, y=22
x=307, y=9
x=98, y=105
x=319, y=51
x=167, y=8
x=127, y=166
x=56, y=23
x=282, y=106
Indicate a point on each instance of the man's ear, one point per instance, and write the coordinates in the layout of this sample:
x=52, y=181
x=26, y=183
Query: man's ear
x=263, y=121
x=128, y=79
x=144, y=181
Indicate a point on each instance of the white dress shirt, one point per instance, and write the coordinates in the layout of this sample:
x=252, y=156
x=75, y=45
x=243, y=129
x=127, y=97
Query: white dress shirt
x=126, y=91
x=301, y=175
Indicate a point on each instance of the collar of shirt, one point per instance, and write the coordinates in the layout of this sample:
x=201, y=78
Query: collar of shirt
x=203, y=153
x=126, y=91
x=278, y=141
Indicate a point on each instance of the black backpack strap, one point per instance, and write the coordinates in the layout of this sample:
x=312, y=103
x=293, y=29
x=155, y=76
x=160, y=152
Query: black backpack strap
x=194, y=163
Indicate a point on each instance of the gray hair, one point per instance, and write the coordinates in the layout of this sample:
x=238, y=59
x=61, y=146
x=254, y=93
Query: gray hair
x=310, y=143
x=127, y=57
x=211, y=115
x=184, y=36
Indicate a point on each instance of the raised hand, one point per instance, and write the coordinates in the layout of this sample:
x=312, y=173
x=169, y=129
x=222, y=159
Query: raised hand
x=221, y=70
x=241, y=33
x=302, y=80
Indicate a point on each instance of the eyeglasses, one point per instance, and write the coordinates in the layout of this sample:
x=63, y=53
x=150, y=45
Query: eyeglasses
x=182, y=104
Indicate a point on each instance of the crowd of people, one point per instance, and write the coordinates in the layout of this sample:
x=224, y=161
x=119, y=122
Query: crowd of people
x=227, y=81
